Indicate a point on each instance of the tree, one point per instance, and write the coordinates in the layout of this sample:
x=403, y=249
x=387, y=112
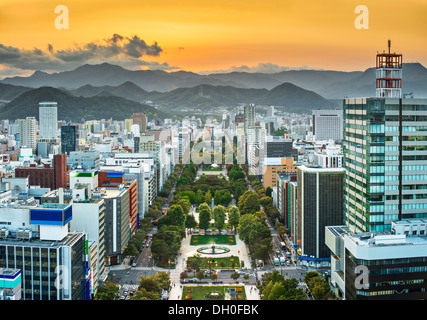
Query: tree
x=248, y=202
x=213, y=276
x=150, y=284
x=235, y=276
x=238, y=191
x=200, y=275
x=208, y=197
x=194, y=264
x=199, y=196
x=142, y=294
x=246, y=276
x=233, y=217
x=176, y=216
x=108, y=291
x=219, y=216
x=222, y=197
x=160, y=250
x=185, y=205
x=264, y=201
x=268, y=192
x=131, y=250
x=183, y=275
x=190, y=221
x=164, y=280
x=204, y=219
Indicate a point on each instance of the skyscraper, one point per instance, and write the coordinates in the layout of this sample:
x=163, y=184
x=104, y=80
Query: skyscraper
x=48, y=120
x=28, y=130
x=69, y=139
x=385, y=153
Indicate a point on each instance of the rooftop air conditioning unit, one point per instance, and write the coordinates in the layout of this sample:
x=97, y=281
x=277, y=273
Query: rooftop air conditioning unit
x=4, y=232
x=24, y=234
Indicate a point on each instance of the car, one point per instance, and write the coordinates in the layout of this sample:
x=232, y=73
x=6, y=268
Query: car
x=122, y=298
x=134, y=264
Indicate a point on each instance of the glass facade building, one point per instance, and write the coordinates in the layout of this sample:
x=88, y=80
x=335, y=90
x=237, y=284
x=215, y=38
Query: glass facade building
x=44, y=263
x=385, y=153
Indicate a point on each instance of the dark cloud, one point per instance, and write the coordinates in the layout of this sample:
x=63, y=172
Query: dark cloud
x=118, y=49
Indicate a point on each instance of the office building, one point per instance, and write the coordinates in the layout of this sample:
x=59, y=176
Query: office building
x=141, y=120
x=319, y=204
x=28, y=133
x=48, y=120
x=272, y=167
x=35, y=240
x=69, y=139
x=10, y=284
x=385, y=153
x=86, y=159
x=328, y=124
x=46, y=176
x=388, y=265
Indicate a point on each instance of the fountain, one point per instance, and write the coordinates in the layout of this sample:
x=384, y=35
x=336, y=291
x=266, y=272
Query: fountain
x=213, y=250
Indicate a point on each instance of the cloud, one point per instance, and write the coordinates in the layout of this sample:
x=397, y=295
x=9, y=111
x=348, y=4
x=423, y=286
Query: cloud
x=259, y=68
x=124, y=51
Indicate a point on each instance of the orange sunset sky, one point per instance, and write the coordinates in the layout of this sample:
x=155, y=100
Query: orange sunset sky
x=201, y=35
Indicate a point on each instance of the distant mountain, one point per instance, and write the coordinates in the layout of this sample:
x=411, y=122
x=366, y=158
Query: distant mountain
x=206, y=97
x=111, y=75
x=414, y=80
x=127, y=90
x=9, y=92
x=75, y=108
x=327, y=83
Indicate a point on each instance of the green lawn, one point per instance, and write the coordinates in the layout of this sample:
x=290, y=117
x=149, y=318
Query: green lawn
x=217, y=239
x=216, y=262
x=200, y=292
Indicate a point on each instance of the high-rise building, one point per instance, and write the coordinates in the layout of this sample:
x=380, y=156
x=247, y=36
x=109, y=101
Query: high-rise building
x=48, y=120
x=69, y=139
x=28, y=132
x=385, y=157
x=141, y=120
x=36, y=240
x=319, y=195
x=328, y=124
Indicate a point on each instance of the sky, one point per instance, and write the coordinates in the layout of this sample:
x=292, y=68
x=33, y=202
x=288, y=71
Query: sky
x=209, y=36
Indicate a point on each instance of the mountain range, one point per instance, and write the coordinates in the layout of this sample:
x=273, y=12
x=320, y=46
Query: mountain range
x=73, y=108
x=91, y=90
x=328, y=84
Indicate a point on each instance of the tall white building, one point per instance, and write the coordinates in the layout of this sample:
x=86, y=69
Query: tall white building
x=48, y=120
x=28, y=131
x=328, y=124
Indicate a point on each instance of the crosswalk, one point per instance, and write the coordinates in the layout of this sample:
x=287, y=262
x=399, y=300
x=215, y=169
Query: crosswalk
x=130, y=286
x=143, y=268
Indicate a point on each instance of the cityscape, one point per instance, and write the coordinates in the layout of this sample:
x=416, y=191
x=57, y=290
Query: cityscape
x=153, y=184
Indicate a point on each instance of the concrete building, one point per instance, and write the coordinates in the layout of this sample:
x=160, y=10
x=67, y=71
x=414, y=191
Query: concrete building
x=28, y=133
x=48, y=120
x=36, y=241
x=10, y=284
x=272, y=167
x=387, y=265
x=328, y=124
x=46, y=176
